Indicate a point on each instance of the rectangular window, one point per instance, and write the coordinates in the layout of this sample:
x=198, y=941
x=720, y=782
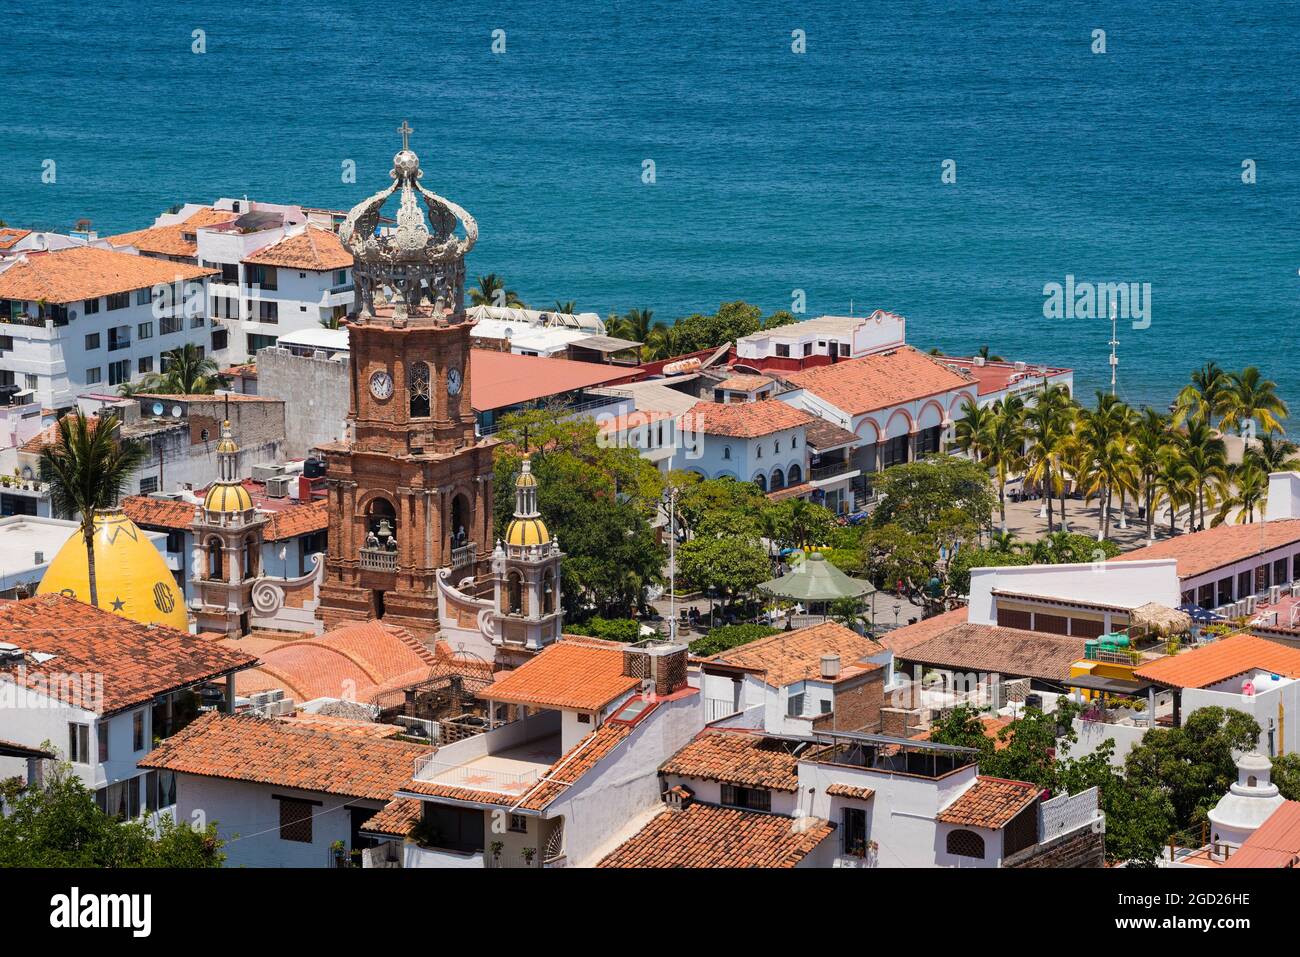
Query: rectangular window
x=6, y=343
x=224, y=307
x=144, y=330
x=79, y=743
x=92, y=341
x=6, y=377
x=1280, y=569
x=196, y=322
x=143, y=297
x=90, y=307
x=855, y=832
x=807, y=348
x=144, y=365
x=137, y=731
x=519, y=823
x=119, y=372
x=94, y=375
x=1244, y=585
x=230, y=272
x=119, y=300
x=750, y=799
x=151, y=791
x=169, y=324
x=268, y=310
x=31, y=382
x=119, y=337
x=263, y=276
x=295, y=820
x=220, y=339
x=101, y=740
x=341, y=277
x=794, y=705
x=825, y=706
x=149, y=485
x=256, y=342
x=783, y=350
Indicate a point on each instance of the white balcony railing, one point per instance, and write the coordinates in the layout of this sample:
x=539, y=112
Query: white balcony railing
x=464, y=555
x=378, y=559
x=469, y=776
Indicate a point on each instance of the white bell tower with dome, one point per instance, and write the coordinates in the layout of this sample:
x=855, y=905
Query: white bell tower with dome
x=1247, y=805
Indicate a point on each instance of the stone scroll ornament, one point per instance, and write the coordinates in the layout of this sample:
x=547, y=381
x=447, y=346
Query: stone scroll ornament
x=414, y=263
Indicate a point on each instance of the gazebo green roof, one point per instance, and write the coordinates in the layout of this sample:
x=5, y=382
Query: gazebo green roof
x=816, y=579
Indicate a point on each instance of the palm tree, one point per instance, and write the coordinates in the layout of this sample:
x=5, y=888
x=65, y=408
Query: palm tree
x=1274, y=455
x=1103, y=436
x=1252, y=398
x=1205, y=459
x=331, y=322
x=660, y=343
x=1249, y=491
x=1175, y=484
x=1150, y=440
x=636, y=325
x=492, y=291
x=984, y=354
x=1003, y=542
x=1205, y=397
x=566, y=308
x=1047, y=422
x=188, y=372
x=973, y=428
x=87, y=467
x=1005, y=439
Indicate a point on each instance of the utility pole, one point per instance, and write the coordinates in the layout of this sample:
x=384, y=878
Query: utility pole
x=1114, y=341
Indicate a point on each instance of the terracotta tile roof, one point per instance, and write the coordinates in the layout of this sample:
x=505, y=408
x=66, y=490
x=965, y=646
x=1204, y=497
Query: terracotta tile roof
x=564, y=773
x=396, y=819
x=355, y=661
x=150, y=512
x=88, y=272
x=790, y=491
x=316, y=249
x=301, y=519
x=1201, y=552
x=997, y=376
x=990, y=803
x=269, y=751
x=792, y=656
x=706, y=836
x=10, y=237
x=743, y=420
x=743, y=383
x=138, y=662
x=340, y=725
x=1276, y=843
x=745, y=758
x=1010, y=652
x=568, y=674
x=848, y=791
x=640, y=418
x=170, y=240
x=879, y=381
x=901, y=639
x=823, y=435
x=1221, y=660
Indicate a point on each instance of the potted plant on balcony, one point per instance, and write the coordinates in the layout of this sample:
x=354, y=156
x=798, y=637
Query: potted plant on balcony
x=340, y=853
x=495, y=847
x=529, y=853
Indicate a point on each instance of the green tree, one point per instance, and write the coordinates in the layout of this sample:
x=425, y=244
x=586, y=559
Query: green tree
x=725, y=637
x=87, y=467
x=188, y=372
x=1192, y=765
x=58, y=825
x=713, y=508
x=1205, y=398
x=798, y=523
x=492, y=291
x=730, y=566
x=918, y=495
x=1286, y=775
x=1252, y=398
x=782, y=317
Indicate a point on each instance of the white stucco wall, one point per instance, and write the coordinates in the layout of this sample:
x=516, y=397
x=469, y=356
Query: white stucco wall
x=1122, y=584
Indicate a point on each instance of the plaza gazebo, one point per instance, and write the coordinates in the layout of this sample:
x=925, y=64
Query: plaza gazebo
x=816, y=580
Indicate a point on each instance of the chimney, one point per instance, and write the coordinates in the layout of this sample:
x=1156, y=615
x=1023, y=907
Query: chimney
x=830, y=667
x=662, y=663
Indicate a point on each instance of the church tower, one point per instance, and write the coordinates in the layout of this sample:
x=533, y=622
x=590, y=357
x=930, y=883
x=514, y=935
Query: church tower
x=411, y=489
x=527, y=613
x=228, y=536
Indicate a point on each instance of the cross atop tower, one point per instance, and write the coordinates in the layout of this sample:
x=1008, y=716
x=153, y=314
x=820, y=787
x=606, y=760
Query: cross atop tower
x=406, y=131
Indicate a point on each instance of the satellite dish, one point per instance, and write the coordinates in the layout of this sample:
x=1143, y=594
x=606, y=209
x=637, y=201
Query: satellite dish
x=508, y=332
x=176, y=411
x=72, y=314
x=157, y=408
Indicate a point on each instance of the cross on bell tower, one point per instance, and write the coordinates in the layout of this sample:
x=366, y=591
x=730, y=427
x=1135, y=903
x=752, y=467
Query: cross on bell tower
x=406, y=130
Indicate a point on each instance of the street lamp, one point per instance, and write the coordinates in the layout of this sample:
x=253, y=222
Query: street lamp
x=897, y=609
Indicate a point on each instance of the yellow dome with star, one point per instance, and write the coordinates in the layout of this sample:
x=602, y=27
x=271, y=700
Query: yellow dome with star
x=131, y=575
x=227, y=497
x=527, y=531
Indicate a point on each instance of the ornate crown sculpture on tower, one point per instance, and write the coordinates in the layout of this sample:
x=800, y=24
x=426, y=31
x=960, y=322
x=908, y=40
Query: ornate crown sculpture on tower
x=416, y=270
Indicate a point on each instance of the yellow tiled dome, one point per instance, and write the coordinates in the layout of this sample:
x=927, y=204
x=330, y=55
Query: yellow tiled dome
x=527, y=531
x=224, y=497
x=131, y=575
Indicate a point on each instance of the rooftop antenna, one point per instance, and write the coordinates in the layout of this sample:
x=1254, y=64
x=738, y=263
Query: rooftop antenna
x=1114, y=341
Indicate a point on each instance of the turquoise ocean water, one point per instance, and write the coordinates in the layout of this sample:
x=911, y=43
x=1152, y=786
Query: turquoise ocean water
x=775, y=171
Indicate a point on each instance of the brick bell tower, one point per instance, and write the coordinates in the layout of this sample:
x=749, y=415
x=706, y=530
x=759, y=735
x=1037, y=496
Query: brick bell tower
x=411, y=489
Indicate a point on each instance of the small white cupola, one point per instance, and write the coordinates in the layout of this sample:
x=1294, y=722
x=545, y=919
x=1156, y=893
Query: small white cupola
x=1248, y=803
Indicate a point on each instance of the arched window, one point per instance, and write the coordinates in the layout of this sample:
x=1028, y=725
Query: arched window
x=758, y=453
x=761, y=481
x=214, y=559
x=776, y=446
x=794, y=441
x=795, y=475
x=1251, y=781
x=965, y=844
x=778, y=479
x=726, y=451
x=417, y=386
x=250, y=557
x=515, y=594
x=460, y=521
x=548, y=593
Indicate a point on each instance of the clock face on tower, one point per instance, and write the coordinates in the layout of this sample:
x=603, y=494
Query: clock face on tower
x=381, y=385
x=453, y=382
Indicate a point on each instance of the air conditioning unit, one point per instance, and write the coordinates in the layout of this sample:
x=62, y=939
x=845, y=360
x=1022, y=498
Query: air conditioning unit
x=1021, y=367
x=279, y=486
x=979, y=361
x=1238, y=608
x=418, y=727
x=1295, y=589
x=1224, y=611
x=262, y=473
x=1275, y=594
x=1250, y=604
